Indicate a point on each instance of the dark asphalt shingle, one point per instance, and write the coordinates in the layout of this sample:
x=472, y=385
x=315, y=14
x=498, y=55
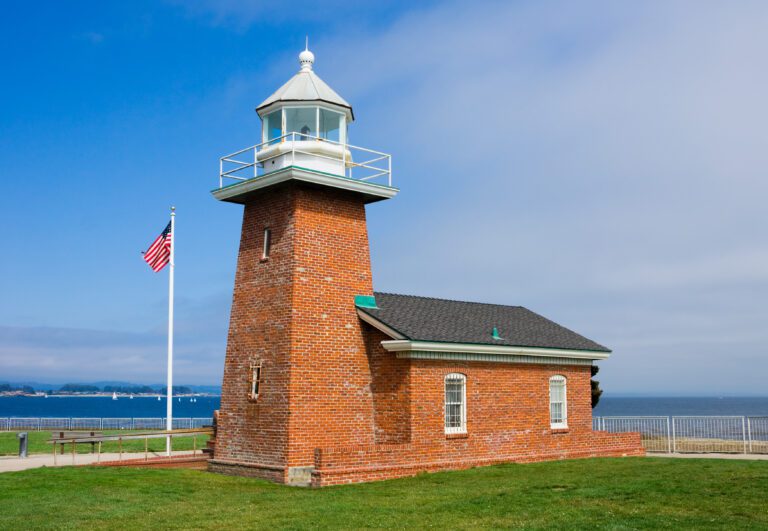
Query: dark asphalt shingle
x=428, y=319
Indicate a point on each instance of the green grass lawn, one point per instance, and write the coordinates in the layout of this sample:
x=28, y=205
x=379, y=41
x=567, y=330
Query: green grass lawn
x=38, y=443
x=628, y=493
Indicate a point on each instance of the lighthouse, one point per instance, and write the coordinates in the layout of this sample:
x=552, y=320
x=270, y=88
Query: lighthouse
x=328, y=382
x=296, y=374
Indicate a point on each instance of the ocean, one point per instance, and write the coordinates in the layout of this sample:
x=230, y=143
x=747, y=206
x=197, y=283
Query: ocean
x=681, y=406
x=22, y=406
x=105, y=407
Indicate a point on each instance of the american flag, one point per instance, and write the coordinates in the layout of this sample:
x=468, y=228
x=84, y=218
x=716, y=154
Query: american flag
x=159, y=253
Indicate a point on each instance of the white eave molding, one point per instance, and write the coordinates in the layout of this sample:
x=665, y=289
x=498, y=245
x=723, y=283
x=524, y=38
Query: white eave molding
x=406, y=345
x=234, y=192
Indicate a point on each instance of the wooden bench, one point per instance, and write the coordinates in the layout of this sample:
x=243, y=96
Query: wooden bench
x=59, y=437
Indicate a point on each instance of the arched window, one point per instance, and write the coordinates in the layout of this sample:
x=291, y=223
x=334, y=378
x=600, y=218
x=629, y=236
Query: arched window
x=455, y=403
x=558, y=403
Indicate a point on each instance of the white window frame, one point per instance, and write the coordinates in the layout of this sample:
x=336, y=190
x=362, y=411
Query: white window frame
x=265, y=132
x=462, y=428
x=559, y=379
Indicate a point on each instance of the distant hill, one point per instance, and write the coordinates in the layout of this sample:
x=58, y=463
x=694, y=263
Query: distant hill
x=110, y=386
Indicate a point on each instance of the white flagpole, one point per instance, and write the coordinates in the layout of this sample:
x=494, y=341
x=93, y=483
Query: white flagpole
x=169, y=412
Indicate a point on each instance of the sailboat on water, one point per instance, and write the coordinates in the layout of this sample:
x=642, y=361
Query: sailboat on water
x=114, y=396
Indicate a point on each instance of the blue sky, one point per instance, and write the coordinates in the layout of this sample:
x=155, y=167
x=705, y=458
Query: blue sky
x=602, y=163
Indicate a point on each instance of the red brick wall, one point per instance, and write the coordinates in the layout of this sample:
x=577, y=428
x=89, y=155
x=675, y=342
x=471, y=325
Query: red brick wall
x=295, y=313
x=507, y=420
x=335, y=466
x=390, y=385
x=259, y=329
x=330, y=391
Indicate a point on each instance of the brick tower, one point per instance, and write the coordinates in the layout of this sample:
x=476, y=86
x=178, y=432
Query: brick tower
x=297, y=375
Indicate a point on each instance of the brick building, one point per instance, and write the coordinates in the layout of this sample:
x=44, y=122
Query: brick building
x=326, y=381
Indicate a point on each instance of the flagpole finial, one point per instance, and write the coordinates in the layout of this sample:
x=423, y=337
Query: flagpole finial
x=173, y=210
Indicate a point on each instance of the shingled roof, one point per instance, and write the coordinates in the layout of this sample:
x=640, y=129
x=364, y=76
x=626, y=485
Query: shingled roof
x=440, y=320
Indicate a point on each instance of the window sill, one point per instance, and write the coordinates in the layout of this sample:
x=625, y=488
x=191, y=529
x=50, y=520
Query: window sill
x=460, y=435
x=263, y=260
x=559, y=429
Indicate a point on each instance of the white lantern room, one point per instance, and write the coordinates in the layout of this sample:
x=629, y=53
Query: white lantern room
x=304, y=136
x=305, y=124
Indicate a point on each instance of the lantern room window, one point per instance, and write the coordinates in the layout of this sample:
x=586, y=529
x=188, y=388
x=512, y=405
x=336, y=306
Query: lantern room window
x=273, y=125
x=330, y=125
x=302, y=120
x=316, y=122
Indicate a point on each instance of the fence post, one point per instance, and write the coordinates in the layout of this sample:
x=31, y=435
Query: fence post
x=38, y=424
x=744, y=433
x=674, y=439
x=101, y=424
x=749, y=433
x=669, y=438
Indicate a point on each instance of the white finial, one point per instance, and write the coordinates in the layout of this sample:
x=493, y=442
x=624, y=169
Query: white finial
x=306, y=58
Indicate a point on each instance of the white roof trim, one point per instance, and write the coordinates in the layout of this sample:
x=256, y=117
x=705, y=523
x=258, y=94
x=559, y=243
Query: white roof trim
x=391, y=332
x=403, y=345
x=306, y=86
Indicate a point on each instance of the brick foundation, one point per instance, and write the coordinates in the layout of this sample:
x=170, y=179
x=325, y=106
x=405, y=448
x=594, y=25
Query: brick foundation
x=379, y=462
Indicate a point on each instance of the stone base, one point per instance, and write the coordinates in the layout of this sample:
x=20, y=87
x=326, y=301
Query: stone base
x=296, y=476
x=251, y=470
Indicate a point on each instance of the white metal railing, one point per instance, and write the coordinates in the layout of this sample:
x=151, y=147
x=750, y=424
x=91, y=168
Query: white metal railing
x=360, y=164
x=654, y=431
x=757, y=435
x=117, y=424
x=709, y=434
x=693, y=434
x=54, y=423
x=149, y=424
x=96, y=423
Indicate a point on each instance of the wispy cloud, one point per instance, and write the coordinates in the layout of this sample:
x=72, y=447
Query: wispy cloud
x=68, y=354
x=601, y=164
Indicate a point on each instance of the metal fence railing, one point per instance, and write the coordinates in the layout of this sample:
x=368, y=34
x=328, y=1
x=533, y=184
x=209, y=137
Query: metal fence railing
x=96, y=423
x=691, y=434
x=299, y=149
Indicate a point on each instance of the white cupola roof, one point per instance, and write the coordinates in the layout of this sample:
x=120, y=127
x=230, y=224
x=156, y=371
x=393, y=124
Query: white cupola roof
x=306, y=86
